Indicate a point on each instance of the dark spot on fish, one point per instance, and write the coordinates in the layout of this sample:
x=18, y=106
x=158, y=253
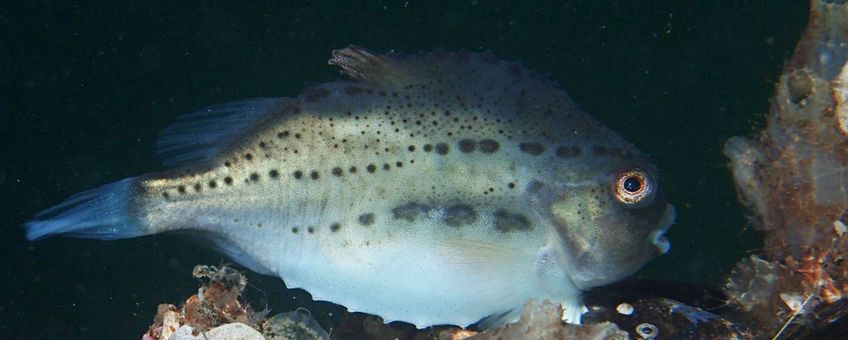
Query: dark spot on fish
x=467, y=145
x=316, y=93
x=263, y=145
x=411, y=148
x=568, y=151
x=197, y=187
x=254, y=177
x=511, y=185
x=228, y=180
x=428, y=148
x=534, y=149
x=248, y=156
x=386, y=166
x=489, y=146
x=399, y=164
x=212, y=184
x=335, y=227
x=314, y=174
x=165, y=194
x=366, y=219
x=283, y=134
x=274, y=173
x=352, y=170
x=371, y=168
x=295, y=230
x=228, y=164
x=459, y=215
x=507, y=222
x=599, y=150
x=409, y=211
x=297, y=135
x=337, y=171
x=298, y=174
x=311, y=230
x=534, y=187
x=181, y=189
x=442, y=148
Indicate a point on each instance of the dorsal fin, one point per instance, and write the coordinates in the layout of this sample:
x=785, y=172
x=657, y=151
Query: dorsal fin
x=475, y=73
x=360, y=64
x=201, y=135
x=394, y=68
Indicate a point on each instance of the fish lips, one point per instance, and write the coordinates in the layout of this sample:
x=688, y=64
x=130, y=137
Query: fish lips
x=657, y=236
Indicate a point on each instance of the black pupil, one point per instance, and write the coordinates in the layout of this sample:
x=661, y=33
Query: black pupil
x=632, y=184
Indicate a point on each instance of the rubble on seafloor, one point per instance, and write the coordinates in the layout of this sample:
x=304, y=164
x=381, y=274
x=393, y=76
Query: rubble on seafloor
x=793, y=176
x=216, y=312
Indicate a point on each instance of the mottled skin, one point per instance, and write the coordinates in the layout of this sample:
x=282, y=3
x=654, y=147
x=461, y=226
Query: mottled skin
x=437, y=188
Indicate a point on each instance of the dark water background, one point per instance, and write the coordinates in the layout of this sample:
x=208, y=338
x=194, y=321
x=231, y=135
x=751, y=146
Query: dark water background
x=86, y=87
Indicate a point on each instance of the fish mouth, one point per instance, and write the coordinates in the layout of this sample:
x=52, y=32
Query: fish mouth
x=657, y=236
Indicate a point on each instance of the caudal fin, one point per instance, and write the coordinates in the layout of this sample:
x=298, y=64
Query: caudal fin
x=103, y=213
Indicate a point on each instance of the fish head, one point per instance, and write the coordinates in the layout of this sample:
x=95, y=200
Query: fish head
x=609, y=219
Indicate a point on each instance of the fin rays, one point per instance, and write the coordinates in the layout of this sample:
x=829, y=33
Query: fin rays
x=202, y=135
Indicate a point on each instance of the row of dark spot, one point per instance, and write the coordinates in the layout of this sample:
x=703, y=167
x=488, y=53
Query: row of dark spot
x=455, y=216
x=489, y=146
x=334, y=227
x=536, y=149
x=465, y=145
x=484, y=145
x=212, y=184
x=297, y=174
x=459, y=215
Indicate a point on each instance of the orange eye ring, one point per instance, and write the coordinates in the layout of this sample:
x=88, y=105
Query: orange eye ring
x=633, y=186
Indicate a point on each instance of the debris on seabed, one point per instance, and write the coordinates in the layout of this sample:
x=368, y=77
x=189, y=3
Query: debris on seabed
x=793, y=178
x=544, y=321
x=216, y=313
x=539, y=320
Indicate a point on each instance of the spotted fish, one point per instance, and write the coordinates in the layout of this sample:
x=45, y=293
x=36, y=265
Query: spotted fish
x=435, y=188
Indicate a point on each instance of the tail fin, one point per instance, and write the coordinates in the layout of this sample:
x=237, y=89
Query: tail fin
x=103, y=213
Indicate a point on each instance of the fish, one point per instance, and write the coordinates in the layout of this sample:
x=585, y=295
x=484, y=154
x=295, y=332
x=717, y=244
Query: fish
x=431, y=188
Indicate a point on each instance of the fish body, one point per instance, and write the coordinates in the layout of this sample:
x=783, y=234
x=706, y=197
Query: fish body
x=436, y=188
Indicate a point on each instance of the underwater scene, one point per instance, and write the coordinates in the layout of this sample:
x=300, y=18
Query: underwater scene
x=424, y=170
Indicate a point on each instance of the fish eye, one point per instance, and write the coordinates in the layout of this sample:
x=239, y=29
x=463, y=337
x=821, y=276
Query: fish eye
x=632, y=186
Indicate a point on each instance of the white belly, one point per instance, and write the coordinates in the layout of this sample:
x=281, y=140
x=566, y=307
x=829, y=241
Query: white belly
x=425, y=276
